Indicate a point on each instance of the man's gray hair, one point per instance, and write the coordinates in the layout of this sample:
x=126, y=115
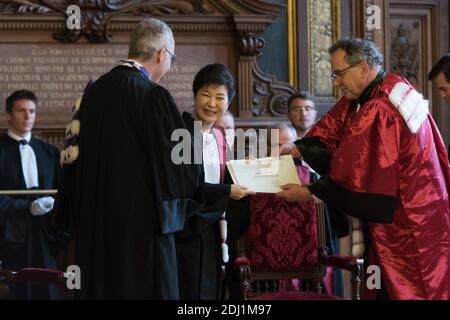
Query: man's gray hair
x=358, y=50
x=284, y=125
x=150, y=36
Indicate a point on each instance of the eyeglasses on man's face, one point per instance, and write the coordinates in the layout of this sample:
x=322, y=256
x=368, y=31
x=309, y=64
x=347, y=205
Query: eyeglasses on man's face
x=172, y=57
x=303, y=109
x=340, y=73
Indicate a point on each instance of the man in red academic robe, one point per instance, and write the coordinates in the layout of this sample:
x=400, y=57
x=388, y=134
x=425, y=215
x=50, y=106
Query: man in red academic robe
x=383, y=160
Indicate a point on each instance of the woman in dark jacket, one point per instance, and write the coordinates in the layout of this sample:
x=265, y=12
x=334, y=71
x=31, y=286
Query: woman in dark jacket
x=202, y=244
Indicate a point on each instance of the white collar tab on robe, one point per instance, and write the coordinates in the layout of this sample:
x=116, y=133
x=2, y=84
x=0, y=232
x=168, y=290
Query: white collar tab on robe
x=28, y=158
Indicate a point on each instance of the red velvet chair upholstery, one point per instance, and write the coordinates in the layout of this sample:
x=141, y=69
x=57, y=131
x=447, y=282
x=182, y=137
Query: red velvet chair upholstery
x=287, y=241
x=29, y=275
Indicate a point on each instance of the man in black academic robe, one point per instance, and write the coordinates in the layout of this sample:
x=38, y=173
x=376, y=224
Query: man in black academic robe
x=127, y=196
x=25, y=239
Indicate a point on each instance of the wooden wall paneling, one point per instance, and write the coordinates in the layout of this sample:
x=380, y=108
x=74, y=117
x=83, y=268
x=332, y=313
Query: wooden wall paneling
x=321, y=35
x=226, y=31
x=416, y=35
x=412, y=38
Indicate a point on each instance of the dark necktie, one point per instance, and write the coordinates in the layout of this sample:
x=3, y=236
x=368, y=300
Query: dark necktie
x=29, y=165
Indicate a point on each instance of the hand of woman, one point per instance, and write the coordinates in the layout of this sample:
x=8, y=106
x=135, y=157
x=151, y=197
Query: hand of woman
x=294, y=192
x=237, y=192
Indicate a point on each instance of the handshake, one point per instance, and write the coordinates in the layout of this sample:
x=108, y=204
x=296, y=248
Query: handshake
x=41, y=206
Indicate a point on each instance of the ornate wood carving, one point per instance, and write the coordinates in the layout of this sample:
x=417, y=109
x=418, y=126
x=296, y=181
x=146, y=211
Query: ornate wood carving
x=416, y=35
x=260, y=97
x=96, y=15
x=411, y=42
x=324, y=29
x=405, y=53
x=270, y=97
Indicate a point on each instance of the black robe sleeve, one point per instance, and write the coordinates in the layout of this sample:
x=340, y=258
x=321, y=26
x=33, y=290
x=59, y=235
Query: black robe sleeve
x=14, y=218
x=368, y=206
x=175, y=184
x=215, y=196
x=315, y=153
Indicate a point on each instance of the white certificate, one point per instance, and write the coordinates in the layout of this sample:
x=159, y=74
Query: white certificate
x=264, y=175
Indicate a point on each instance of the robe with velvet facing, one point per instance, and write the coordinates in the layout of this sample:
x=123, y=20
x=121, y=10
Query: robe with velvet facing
x=27, y=240
x=375, y=168
x=199, y=243
x=124, y=198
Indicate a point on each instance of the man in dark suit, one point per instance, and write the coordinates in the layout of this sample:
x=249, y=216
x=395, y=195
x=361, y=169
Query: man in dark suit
x=440, y=74
x=26, y=163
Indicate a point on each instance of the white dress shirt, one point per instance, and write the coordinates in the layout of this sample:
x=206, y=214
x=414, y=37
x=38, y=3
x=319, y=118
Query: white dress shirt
x=28, y=159
x=211, y=161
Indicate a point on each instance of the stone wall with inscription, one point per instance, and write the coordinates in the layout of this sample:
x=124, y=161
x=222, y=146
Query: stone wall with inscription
x=58, y=73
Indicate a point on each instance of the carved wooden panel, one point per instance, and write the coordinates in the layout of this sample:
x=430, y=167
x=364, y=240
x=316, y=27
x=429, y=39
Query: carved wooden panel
x=416, y=35
x=319, y=25
x=206, y=31
x=412, y=42
x=412, y=37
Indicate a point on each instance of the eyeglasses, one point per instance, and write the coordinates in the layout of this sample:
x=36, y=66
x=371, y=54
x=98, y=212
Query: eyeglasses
x=340, y=73
x=172, y=56
x=305, y=109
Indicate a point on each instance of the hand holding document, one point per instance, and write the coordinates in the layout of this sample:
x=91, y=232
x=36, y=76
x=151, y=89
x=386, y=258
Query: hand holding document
x=264, y=175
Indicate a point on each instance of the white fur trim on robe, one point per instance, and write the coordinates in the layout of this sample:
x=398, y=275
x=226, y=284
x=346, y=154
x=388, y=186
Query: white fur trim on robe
x=411, y=105
x=69, y=155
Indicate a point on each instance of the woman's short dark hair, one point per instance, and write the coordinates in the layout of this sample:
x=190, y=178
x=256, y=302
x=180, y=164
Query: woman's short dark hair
x=19, y=95
x=215, y=74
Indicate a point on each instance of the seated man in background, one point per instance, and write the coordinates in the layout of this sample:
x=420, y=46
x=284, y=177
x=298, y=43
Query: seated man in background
x=26, y=163
x=302, y=112
x=440, y=74
x=226, y=125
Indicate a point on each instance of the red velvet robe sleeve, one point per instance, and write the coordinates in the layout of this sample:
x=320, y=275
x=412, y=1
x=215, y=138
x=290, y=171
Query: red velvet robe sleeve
x=322, y=140
x=363, y=175
x=367, y=157
x=329, y=127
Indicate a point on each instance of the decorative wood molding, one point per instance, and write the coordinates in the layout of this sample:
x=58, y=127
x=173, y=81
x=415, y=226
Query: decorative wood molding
x=323, y=31
x=260, y=97
x=414, y=35
x=292, y=43
x=412, y=42
x=405, y=53
x=96, y=16
x=360, y=17
x=269, y=97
